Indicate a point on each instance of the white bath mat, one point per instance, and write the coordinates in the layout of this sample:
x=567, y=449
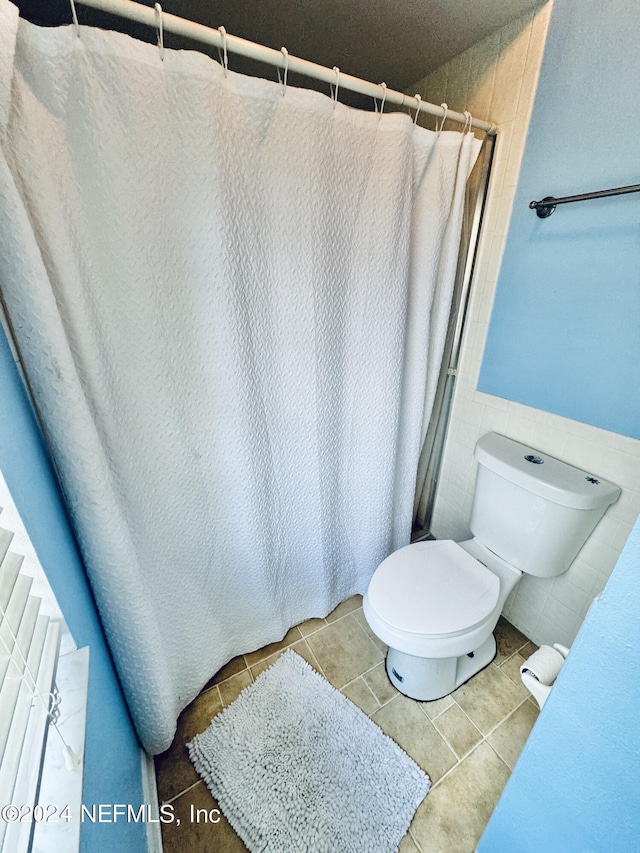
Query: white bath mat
x=297, y=768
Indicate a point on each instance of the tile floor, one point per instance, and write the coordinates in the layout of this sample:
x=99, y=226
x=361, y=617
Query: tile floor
x=468, y=742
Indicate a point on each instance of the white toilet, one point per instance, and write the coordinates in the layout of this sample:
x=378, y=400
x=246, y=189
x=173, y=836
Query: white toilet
x=435, y=604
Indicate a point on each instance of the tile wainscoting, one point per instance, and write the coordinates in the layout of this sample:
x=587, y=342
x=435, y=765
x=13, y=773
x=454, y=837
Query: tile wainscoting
x=547, y=610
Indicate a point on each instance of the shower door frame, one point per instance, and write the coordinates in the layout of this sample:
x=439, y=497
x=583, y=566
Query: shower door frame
x=432, y=453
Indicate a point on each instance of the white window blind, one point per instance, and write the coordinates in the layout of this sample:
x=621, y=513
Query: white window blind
x=29, y=652
x=44, y=681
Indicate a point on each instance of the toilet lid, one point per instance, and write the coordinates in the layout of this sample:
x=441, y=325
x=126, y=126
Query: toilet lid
x=433, y=588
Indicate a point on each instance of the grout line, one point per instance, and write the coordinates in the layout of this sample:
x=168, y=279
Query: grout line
x=213, y=687
x=368, y=686
x=457, y=764
x=483, y=740
x=301, y=637
x=412, y=836
x=375, y=698
x=444, y=738
x=491, y=746
x=186, y=790
x=322, y=619
x=469, y=718
x=317, y=664
x=338, y=618
x=440, y=713
x=388, y=701
x=506, y=717
x=364, y=631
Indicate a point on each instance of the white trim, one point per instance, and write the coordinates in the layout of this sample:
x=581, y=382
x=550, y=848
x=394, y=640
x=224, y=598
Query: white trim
x=150, y=797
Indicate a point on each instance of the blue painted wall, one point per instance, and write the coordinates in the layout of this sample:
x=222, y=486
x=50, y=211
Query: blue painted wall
x=112, y=772
x=565, y=329
x=575, y=787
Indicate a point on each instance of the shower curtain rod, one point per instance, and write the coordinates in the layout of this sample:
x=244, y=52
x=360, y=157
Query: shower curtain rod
x=189, y=29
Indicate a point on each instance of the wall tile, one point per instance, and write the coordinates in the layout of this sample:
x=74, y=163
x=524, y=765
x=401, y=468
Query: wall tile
x=526, y=616
x=626, y=508
x=559, y=632
x=514, y=45
x=483, y=61
x=536, y=594
x=569, y=595
x=621, y=535
x=581, y=575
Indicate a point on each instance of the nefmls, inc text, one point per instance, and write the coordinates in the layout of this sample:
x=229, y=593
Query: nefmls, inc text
x=127, y=813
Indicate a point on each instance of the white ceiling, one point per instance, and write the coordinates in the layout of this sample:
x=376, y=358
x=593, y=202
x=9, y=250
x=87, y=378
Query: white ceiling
x=398, y=42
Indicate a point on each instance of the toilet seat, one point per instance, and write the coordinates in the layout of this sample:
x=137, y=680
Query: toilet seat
x=432, y=590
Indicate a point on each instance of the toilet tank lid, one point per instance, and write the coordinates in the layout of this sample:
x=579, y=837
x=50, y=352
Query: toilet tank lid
x=543, y=475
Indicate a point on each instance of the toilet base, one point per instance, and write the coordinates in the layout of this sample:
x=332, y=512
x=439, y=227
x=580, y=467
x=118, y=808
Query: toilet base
x=427, y=679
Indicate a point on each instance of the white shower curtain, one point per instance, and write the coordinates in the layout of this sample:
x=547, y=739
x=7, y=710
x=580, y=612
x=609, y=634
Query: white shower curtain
x=231, y=306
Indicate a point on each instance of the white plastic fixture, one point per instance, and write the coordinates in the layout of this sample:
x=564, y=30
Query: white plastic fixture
x=435, y=604
x=427, y=599
x=533, y=510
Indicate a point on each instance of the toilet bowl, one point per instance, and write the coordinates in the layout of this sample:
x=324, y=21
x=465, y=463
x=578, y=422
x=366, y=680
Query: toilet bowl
x=435, y=603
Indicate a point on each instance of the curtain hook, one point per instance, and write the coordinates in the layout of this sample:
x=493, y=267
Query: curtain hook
x=75, y=17
x=419, y=100
x=283, y=80
x=337, y=86
x=383, y=86
x=467, y=123
x=159, y=30
x=444, y=117
x=224, y=59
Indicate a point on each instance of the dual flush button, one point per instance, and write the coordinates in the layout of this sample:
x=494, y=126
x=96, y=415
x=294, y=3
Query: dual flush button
x=537, y=460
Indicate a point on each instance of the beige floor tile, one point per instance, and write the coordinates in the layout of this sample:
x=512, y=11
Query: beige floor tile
x=528, y=649
x=234, y=666
x=403, y=720
x=378, y=681
x=174, y=770
x=198, y=836
x=453, y=816
x=508, y=640
x=260, y=654
x=457, y=730
x=488, y=697
x=360, y=694
x=408, y=845
x=233, y=687
x=311, y=625
x=511, y=667
x=511, y=735
x=362, y=619
x=347, y=606
x=343, y=651
x=437, y=706
x=301, y=648
x=346, y=651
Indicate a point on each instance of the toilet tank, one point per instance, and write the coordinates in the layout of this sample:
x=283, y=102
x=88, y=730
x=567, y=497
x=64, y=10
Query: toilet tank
x=532, y=510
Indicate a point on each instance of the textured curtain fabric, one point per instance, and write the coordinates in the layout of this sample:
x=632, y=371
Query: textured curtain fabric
x=231, y=306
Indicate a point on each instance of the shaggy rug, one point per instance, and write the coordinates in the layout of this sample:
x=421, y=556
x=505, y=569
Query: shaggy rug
x=298, y=768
